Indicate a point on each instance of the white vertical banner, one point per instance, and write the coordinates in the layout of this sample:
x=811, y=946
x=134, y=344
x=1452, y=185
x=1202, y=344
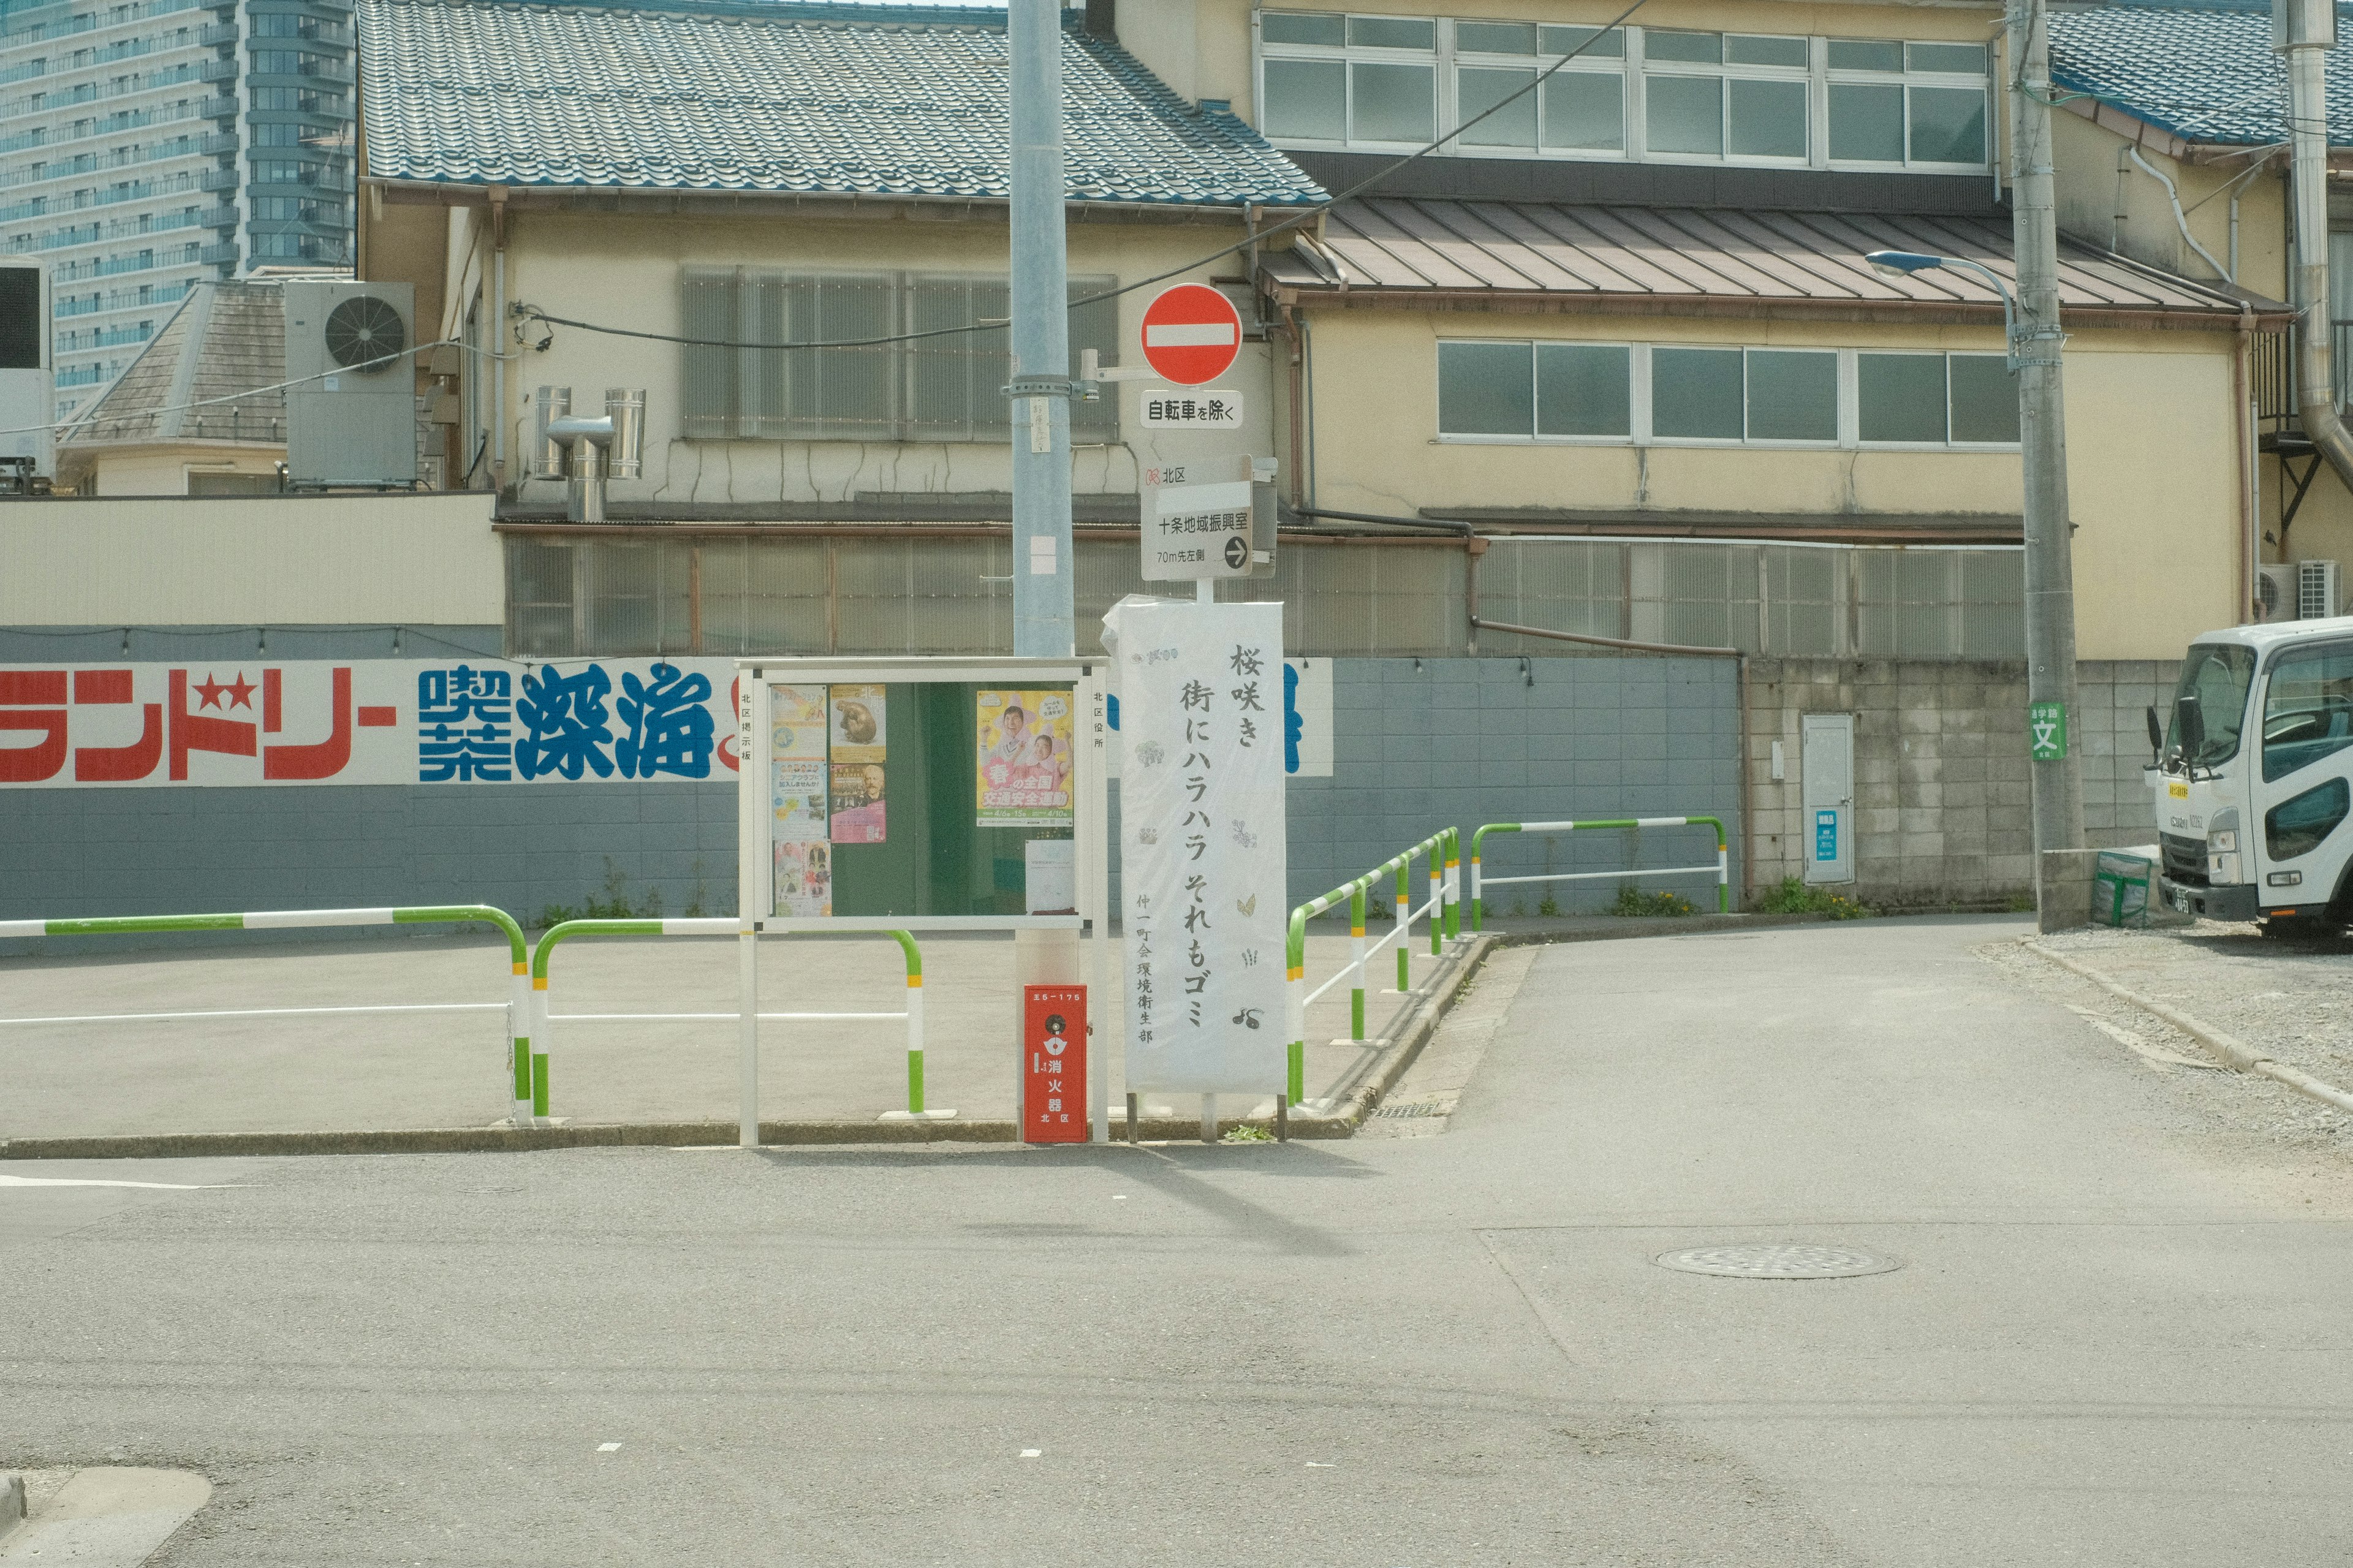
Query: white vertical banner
x=1202, y=849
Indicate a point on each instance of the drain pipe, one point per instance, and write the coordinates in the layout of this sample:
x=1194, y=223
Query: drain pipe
x=2180, y=218
x=2311, y=33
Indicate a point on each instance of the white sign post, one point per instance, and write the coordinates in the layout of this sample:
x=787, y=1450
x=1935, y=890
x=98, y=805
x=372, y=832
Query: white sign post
x=1203, y=849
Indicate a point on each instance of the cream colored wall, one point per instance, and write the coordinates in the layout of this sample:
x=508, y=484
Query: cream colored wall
x=2152, y=463
x=257, y=560
x=164, y=470
x=2129, y=212
x=1201, y=48
x=628, y=271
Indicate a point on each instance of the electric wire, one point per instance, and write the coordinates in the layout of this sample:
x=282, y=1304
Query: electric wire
x=93, y=417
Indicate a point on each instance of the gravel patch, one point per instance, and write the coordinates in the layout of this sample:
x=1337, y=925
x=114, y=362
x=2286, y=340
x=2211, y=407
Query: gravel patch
x=2264, y=991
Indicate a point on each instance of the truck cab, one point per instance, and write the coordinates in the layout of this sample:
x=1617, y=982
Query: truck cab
x=2253, y=780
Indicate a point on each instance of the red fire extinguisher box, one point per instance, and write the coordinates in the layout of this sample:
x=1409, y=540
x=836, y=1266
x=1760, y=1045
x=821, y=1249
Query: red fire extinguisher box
x=1054, y=1064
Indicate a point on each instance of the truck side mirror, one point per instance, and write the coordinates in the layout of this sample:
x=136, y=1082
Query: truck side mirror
x=2156, y=734
x=2193, y=730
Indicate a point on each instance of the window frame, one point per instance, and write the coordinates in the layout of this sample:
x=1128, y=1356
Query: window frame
x=1641, y=419
x=1633, y=69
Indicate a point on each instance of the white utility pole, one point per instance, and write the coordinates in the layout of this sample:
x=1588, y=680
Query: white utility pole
x=1044, y=575
x=2058, y=782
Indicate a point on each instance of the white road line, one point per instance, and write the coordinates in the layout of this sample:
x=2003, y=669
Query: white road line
x=8, y=1181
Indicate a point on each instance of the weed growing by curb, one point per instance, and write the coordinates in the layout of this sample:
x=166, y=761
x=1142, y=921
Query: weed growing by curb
x=1793, y=897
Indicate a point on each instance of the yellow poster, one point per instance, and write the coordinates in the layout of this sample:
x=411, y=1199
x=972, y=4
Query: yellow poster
x=1025, y=758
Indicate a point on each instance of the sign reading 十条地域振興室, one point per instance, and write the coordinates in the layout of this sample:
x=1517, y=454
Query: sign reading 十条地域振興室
x=479, y=720
x=1202, y=844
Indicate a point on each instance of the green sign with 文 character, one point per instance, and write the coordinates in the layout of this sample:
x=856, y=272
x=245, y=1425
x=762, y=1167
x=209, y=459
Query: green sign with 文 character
x=2046, y=730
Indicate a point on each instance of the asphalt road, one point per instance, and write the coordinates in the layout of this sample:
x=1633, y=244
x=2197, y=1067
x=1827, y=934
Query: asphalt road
x=2118, y=1338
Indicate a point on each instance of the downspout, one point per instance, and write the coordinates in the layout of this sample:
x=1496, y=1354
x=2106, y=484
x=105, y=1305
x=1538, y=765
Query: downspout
x=500, y=334
x=2180, y=218
x=2312, y=28
x=1298, y=414
x=2243, y=430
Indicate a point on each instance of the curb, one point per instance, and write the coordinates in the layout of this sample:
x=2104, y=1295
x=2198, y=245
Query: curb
x=2226, y=1047
x=1413, y=1033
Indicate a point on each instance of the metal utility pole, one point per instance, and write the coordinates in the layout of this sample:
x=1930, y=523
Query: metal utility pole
x=2058, y=780
x=1044, y=575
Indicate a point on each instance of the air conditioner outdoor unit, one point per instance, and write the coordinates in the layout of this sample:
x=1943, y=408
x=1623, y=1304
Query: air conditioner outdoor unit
x=2316, y=590
x=350, y=414
x=2276, y=592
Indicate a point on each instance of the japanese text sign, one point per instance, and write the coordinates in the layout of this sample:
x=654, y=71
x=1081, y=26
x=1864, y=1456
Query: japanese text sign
x=1202, y=846
x=1054, y=1064
x=1207, y=410
x=2046, y=729
x=1197, y=520
x=373, y=721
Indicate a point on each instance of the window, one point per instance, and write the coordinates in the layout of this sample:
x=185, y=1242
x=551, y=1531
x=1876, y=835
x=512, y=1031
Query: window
x=941, y=389
x=1934, y=399
x=1525, y=390
x=2307, y=708
x=1491, y=389
x=2298, y=826
x=1635, y=92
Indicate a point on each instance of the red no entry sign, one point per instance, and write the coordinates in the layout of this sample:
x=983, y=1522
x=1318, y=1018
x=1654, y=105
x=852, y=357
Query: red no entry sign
x=1191, y=334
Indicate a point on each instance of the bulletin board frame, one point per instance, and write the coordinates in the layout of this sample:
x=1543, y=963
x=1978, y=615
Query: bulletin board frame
x=755, y=876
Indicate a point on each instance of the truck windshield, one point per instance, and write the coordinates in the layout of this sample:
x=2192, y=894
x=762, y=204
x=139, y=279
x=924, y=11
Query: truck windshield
x=2218, y=675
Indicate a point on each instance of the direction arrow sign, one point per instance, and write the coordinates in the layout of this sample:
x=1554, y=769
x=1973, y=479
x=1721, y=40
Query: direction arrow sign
x=1191, y=334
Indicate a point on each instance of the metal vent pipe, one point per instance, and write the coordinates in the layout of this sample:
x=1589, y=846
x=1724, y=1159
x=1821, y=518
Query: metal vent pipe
x=2306, y=30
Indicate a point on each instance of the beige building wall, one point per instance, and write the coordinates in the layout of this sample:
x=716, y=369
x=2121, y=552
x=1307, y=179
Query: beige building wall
x=2153, y=457
x=252, y=561
x=628, y=270
x=165, y=470
x=2104, y=199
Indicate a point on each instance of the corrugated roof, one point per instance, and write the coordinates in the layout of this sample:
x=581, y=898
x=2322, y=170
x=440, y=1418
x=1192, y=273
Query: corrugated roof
x=1761, y=258
x=222, y=338
x=2204, y=73
x=821, y=100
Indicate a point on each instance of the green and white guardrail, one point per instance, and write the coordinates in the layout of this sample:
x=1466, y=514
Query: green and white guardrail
x=748, y=1016
x=517, y=1006
x=1720, y=870
x=1440, y=853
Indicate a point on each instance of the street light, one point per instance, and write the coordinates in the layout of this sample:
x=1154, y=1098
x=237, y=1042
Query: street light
x=1904, y=263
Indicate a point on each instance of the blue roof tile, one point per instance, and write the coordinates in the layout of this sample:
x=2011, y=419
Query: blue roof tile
x=2206, y=73
x=815, y=99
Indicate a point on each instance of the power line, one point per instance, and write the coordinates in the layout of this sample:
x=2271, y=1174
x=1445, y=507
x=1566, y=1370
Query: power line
x=1305, y=214
x=92, y=417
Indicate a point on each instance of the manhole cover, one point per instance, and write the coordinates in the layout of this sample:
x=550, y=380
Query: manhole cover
x=1779, y=1261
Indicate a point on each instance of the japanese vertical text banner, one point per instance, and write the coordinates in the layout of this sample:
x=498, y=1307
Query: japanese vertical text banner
x=262, y=720
x=1202, y=849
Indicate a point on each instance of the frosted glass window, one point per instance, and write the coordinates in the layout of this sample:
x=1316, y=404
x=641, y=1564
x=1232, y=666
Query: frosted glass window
x=1392, y=103
x=1685, y=114
x=1585, y=43
x=1766, y=119
x=1966, y=59
x=1900, y=397
x=1494, y=38
x=1985, y=398
x=1867, y=121
x=1866, y=55
x=1584, y=389
x=1479, y=89
x=1695, y=393
x=1792, y=396
x=1306, y=100
x=1584, y=111
x=1706, y=48
x=1299, y=27
x=1948, y=125
x=1393, y=32
x=1485, y=389
x=1751, y=52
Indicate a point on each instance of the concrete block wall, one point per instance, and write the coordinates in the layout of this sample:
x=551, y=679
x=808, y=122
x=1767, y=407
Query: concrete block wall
x=1941, y=770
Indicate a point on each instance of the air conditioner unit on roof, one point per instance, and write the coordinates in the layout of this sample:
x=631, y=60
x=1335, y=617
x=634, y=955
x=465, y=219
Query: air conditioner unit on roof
x=350, y=414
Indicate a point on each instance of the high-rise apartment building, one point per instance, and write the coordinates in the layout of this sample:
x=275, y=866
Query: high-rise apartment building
x=149, y=144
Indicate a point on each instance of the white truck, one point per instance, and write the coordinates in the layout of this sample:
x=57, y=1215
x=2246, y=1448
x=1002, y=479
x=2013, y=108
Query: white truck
x=2254, y=776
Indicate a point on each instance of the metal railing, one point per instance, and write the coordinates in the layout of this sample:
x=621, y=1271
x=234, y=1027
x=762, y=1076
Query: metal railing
x=747, y=1016
x=1439, y=850
x=1720, y=870
x=517, y=1006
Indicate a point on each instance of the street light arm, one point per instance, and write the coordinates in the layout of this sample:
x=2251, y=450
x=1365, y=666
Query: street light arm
x=2008, y=302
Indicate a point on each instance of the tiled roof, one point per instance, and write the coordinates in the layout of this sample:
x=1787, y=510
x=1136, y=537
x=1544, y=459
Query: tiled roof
x=1768, y=259
x=815, y=99
x=222, y=338
x=2204, y=73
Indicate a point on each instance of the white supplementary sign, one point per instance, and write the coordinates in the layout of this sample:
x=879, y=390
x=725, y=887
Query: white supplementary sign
x=1202, y=843
x=258, y=721
x=1195, y=522
x=1216, y=409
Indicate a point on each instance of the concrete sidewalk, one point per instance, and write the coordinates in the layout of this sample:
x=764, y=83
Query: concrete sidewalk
x=398, y=1072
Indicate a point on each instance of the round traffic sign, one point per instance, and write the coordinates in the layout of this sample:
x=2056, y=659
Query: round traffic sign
x=1191, y=334
x=1237, y=551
